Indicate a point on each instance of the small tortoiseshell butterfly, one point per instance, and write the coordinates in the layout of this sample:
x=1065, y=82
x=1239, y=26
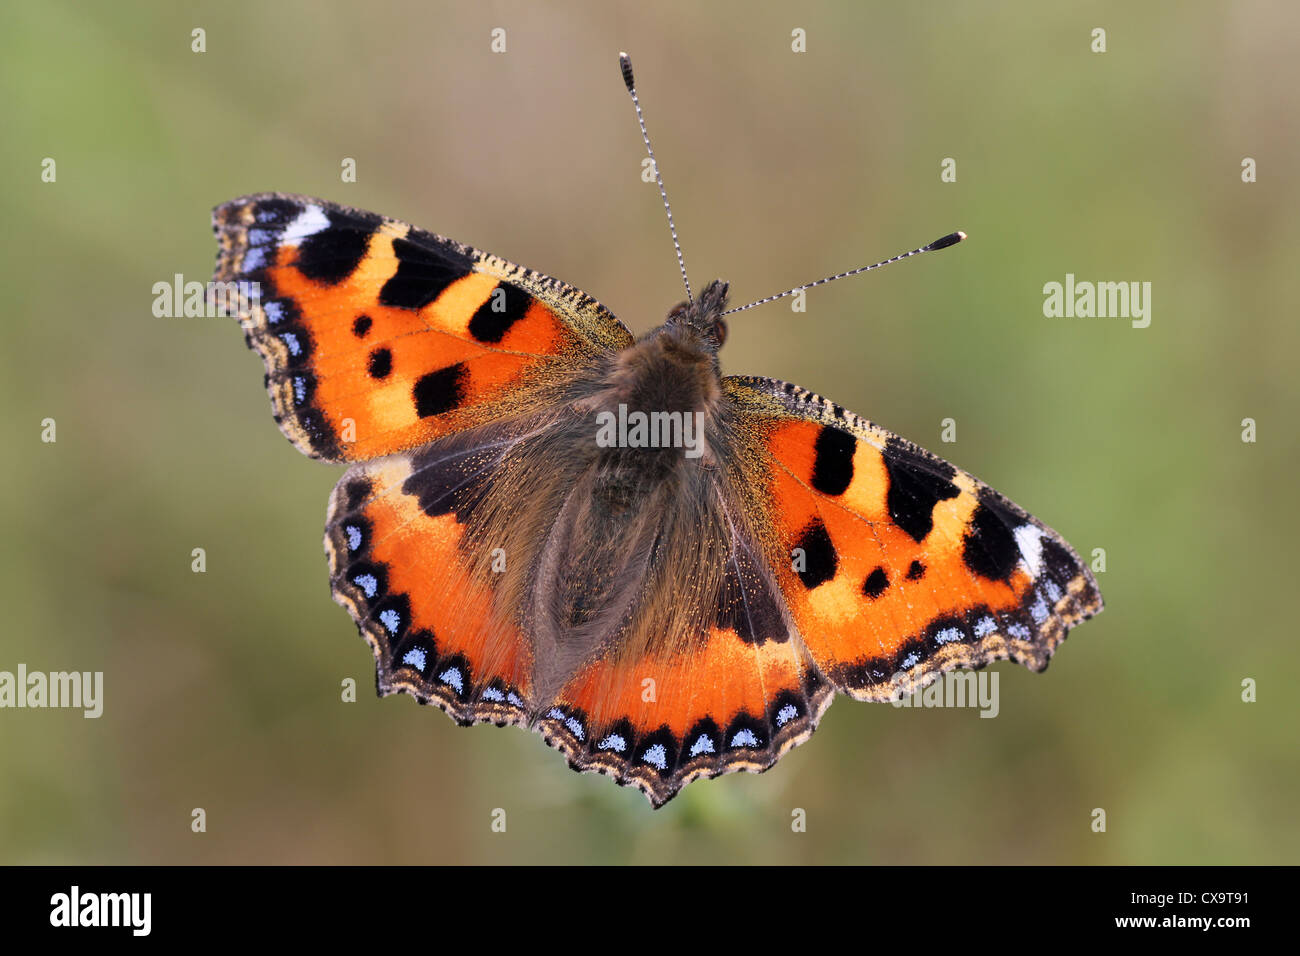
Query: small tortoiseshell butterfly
x=666, y=572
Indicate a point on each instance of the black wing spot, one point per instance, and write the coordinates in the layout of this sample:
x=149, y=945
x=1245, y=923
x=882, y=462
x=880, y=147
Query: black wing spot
x=989, y=546
x=833, y=464
x=915, y=571
x=440, y=391
x=332, y=254
x=361, y=326
x=381, y=363
x=820, y=561
x=423, y=273
x=916, y=485
x=503, y=308
x=876, y=583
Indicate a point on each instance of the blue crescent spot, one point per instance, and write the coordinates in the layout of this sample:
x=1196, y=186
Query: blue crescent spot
x=1018, y=631
x=391, y=620
x=575, y=727
x=744, y=738
x=291, y=340
x=259, y=237
x=299, y=390
x=1053, y=590
x=948, y=635
x=266, y=215
x=1038, y=610
x=254, y=259
x=416, y=658
x=274, y=311
x=786, y=714
x=703, y=745
x=367, y=583
x=354, y=537
x=451, y=676
x=613, y=742
x=513, y=698
x=656, y=756
x=910, y=660
x=985, y=625
x=491, y=693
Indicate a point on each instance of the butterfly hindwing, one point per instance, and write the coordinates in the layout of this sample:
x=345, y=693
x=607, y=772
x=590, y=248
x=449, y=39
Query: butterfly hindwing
x=378, y=336
x=402, y=561
x=732, y=690
x=895, y=565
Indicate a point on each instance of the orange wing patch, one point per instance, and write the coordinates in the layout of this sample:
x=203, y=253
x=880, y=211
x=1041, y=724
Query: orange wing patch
x=895, y=565
x=378, y=337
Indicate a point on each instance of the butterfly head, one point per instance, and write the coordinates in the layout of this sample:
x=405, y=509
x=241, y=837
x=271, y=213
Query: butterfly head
x=703, y=316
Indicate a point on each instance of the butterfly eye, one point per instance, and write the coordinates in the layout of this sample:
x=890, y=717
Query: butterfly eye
x=720, y=330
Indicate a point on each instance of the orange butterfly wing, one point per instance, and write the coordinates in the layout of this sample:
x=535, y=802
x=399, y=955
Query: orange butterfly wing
x=397, y=544
x=895, y=565
x=378, y=336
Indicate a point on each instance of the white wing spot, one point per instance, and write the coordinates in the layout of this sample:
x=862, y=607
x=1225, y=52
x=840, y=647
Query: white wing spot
x=1030, y=541
x=1038, y=610
x=308, y=222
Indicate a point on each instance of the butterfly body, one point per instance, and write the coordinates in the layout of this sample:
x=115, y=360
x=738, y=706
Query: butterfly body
x=666, y=572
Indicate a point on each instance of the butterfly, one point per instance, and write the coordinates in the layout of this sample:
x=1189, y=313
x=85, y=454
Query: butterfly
x=546, y=522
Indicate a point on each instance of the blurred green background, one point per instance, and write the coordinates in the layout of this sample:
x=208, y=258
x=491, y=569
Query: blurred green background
x=222, y=688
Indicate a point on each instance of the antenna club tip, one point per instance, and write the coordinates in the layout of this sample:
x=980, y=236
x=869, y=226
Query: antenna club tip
x=625, y=65
x=949, y=240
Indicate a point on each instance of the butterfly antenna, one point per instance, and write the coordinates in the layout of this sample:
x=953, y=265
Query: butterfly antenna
x=625, y=64
x=949, y=240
